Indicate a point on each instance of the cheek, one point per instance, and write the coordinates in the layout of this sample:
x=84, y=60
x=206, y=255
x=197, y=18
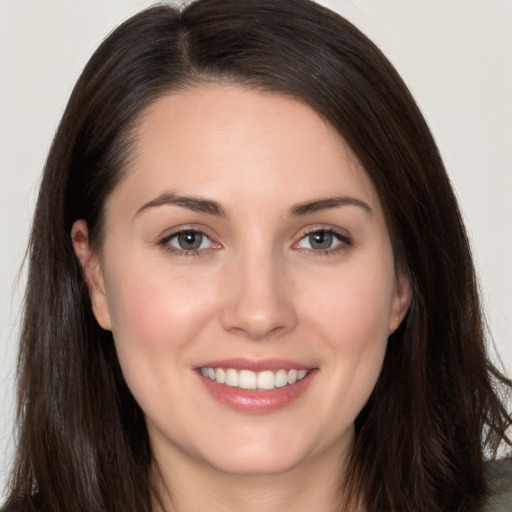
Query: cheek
x=351, y=316
x=354, y=307
x=156, y=316
x=153, y=309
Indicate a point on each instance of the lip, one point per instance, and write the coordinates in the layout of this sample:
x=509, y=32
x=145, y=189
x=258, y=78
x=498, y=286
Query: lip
x=256, y=365
x=254, y=401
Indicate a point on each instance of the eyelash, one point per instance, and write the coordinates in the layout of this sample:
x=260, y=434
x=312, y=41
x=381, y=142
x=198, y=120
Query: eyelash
x=165, y=243
x=344, y=242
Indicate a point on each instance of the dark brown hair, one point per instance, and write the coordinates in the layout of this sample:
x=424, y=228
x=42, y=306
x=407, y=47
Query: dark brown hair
x=421, y=437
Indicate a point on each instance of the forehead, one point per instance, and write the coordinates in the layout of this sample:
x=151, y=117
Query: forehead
x=229, y=141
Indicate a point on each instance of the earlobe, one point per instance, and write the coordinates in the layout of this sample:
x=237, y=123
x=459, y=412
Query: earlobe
x=401, y=300
x=93, y=274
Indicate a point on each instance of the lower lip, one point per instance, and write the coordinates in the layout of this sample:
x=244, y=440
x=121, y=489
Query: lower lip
x=254, y=401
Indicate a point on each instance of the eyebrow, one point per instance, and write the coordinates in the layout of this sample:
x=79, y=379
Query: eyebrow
x=196, y=204
x=327, y=203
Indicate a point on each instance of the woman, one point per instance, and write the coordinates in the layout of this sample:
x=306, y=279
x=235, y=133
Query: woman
x=249, y=283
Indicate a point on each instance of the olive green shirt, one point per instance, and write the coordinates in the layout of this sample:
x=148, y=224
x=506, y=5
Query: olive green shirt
x=499, y=481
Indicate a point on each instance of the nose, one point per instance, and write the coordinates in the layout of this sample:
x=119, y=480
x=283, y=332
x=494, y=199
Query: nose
x=259, y=300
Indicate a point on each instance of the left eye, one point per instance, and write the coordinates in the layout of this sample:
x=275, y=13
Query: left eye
x=321, y=240
x=189, y=241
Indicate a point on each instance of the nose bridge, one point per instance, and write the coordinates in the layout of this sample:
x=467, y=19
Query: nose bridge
x=259, y=303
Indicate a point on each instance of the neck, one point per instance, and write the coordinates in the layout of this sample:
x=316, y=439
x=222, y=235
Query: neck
x=189, y=485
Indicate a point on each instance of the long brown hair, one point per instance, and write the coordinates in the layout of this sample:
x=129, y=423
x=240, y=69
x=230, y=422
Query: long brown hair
x=420, y=439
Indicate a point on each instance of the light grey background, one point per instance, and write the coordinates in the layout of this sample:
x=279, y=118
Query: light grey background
x=456, y=56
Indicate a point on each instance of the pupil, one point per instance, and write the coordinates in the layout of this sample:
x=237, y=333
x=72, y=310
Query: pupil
x=190, y=240
x=320, y=240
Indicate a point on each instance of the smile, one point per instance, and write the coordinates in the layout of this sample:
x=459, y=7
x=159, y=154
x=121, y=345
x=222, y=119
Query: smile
x=261, y=381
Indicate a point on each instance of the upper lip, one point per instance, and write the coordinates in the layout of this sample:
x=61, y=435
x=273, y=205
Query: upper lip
x=256, y=365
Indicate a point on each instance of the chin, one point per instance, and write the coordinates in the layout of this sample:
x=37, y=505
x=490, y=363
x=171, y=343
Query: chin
x=264, y=455
x=257, y=466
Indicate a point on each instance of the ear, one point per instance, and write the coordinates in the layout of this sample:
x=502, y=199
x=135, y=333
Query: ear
x=92, y=272
x=402, y=296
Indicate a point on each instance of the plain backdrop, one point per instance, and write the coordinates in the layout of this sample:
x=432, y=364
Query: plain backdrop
x=455, y=55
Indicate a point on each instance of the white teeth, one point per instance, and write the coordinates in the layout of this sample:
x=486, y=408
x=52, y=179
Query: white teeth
x=232, y=378
x=220, y=375
x=281, y=378
x=292, y=376
x=265, y=380
x=247, y=379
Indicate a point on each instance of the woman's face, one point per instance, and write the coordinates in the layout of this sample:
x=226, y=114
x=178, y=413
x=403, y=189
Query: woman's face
x=245, y=243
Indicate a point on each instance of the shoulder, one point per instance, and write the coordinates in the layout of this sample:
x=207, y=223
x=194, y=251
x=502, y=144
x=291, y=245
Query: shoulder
x=498, y=476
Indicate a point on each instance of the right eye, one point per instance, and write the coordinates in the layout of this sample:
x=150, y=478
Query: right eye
x=188, y=241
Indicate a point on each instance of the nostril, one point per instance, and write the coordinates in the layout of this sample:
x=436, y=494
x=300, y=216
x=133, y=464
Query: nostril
x=257, y=304
x=258, y=324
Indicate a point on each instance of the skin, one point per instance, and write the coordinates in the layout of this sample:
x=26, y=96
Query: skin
x=257, y=288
